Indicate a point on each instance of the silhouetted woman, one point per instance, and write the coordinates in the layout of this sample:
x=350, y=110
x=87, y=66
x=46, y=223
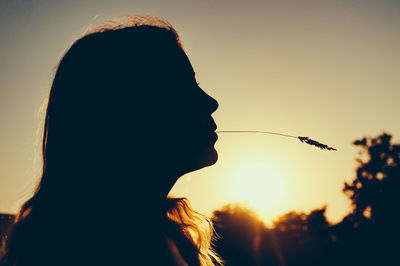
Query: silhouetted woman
x=125, y=119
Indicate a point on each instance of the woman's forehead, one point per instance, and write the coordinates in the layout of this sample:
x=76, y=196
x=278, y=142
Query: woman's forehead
x=181, y=63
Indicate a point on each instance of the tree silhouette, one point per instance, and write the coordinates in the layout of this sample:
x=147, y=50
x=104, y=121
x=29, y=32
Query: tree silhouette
x=239, y=230
x=303, y=238
x=6, y=223
x=295, y=238
x=375, y=198
x=374, y=191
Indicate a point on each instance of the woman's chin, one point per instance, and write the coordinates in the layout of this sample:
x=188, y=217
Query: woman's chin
x=208, y=158
x=212, y=157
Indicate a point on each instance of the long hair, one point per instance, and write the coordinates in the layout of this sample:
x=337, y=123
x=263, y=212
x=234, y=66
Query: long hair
x=102, y=82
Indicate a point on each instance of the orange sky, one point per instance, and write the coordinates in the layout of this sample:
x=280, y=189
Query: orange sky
x=324, y=69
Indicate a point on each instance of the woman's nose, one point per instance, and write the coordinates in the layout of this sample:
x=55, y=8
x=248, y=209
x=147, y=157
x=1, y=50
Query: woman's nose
x=212, y=104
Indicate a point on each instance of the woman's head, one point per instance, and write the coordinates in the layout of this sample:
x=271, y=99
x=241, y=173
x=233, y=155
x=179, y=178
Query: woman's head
x=125, y=100
x=125, y=119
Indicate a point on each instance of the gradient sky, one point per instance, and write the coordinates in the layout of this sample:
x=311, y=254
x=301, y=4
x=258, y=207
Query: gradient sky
x=324, y=69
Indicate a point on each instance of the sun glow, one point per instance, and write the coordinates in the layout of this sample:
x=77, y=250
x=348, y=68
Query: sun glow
x=260, y=185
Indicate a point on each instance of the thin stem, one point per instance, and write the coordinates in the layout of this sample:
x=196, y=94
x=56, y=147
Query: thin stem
x=306, y=140
x=255, y=131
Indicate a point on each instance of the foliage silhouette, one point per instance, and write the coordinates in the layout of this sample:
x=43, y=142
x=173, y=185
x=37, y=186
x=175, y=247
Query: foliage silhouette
x=6, y=223
x=374, y=191
x=293, y=239
x=238, y=228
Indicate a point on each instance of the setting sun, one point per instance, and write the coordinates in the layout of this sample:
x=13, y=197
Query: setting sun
x=260, y=184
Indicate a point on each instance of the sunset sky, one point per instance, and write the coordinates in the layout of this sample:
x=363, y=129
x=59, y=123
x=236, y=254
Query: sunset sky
x=329, y=70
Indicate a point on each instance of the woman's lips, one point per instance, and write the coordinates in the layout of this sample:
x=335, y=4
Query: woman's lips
x=214, y=136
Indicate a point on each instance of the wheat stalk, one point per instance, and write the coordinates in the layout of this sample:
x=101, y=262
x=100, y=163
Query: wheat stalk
x=306, y=140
